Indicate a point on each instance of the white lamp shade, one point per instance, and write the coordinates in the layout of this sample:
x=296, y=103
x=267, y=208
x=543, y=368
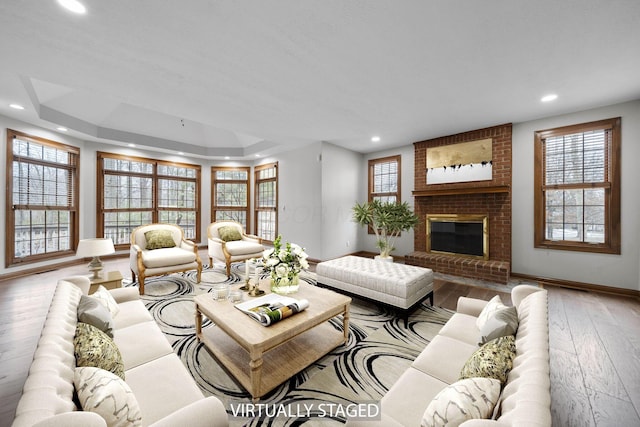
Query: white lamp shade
x=95, y=247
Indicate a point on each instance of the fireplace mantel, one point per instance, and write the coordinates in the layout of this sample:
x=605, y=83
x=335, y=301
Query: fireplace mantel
x=466, y=190
x=487, y=197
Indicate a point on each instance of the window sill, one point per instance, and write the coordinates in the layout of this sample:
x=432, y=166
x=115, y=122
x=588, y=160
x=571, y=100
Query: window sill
x=577, y=247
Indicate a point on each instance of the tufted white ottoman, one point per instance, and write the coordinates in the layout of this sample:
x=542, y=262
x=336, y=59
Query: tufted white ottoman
x=398, y=285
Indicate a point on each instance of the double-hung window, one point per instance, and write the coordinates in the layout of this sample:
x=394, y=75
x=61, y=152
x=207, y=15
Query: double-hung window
x=384, y=179
x=42, y=197
x=577, y=187
x=266, y=201
x=230, y=194
x=134, y=191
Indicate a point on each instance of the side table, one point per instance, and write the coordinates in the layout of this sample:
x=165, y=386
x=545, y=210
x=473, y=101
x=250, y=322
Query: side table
x=110, y=280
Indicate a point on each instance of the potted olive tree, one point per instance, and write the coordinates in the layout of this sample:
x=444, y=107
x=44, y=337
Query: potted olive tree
x=387, y=220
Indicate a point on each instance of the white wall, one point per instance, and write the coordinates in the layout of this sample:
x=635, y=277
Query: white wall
x=620, y=271
x=341, y=187
x=404, y=244
x=299, y=198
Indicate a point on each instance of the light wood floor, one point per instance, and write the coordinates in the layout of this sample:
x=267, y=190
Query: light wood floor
x=594, y=340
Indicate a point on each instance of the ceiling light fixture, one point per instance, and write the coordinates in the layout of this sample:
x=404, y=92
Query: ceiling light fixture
x=181, y=153
x=73, y=5
x=227, y=157
x=375, y=139
x=131, y=145
x=549, y=98
x=16, y=106
x=62, y=128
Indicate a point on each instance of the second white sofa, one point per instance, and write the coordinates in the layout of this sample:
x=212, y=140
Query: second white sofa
x=525, y=399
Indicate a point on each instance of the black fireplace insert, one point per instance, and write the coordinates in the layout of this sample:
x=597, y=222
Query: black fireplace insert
x=457, y=234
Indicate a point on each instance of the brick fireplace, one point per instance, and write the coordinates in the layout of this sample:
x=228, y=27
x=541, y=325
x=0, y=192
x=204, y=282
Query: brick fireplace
x=490, y=197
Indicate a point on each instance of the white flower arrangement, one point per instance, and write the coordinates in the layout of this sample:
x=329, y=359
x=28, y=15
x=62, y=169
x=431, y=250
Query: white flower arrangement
x=284, y=262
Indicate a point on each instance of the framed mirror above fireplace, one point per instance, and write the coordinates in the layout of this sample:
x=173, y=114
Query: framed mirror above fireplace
x=459, y=235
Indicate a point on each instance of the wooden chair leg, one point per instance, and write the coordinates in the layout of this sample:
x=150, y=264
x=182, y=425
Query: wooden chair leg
x=228, y=269
x=141, y=285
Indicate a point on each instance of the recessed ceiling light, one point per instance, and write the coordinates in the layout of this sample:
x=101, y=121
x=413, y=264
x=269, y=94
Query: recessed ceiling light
x=257, y=155
x=375, y=139
x=181, y=153
x=131, y=145
x=16, y=106
x=549, y=98
x=227, y=157
x=73, y=5
x=62, y=128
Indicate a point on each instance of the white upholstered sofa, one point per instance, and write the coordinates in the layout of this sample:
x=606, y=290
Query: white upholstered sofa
x=166, y=393
x=525, y=398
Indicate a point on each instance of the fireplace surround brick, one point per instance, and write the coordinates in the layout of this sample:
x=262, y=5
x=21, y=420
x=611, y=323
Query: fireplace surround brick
x=482, y=201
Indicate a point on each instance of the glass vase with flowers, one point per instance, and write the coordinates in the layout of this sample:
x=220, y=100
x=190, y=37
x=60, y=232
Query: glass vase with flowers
x=284, y=264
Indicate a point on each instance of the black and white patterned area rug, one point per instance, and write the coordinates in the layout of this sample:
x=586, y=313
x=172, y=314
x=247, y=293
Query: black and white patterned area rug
x=379, y=350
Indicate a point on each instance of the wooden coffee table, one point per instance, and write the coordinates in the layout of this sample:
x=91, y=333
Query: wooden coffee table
x=263, y=357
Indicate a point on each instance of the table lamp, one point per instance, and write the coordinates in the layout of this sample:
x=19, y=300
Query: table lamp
x=94, y=248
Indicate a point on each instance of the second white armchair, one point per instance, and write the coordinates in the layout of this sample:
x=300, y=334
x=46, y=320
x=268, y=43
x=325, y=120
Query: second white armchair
x=228, y=243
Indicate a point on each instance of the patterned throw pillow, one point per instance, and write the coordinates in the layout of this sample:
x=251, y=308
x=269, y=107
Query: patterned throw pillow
x=92, y=347
x=158, y=239
x=500, y=323
x=229, y=233
x=107, y=395
x=472, y=398
x=91, y=311
x=105, y=298
x=492, y=360
x=492, y=306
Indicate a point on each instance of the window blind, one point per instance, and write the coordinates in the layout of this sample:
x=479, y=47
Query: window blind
x=577, y=202
x=43, y=198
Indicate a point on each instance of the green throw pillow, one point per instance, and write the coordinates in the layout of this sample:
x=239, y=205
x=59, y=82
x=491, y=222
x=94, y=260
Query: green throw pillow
x=229, y=233
x=92, y=347
x=158, y=239
x=492, y=360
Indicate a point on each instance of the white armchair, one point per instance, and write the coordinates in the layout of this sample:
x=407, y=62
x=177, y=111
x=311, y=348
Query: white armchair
x=160, y=249
x=228, y=243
